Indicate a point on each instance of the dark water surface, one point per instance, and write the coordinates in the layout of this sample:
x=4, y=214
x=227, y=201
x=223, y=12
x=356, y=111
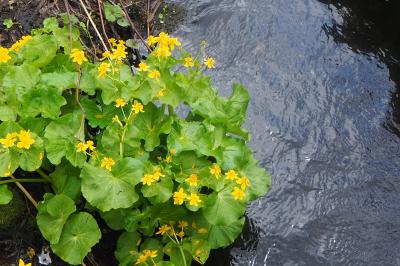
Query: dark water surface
x=322, y=77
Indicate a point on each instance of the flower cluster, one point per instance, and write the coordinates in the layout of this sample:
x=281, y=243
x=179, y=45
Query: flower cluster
x=5, y=53
x=243, y=182
x=85, y=146
x=17, y=46
x=181, y=196
x=24, y=139
x=165, y=44
x=107, y=163
x=149, y=179
x=78, y=56
x=146, y=254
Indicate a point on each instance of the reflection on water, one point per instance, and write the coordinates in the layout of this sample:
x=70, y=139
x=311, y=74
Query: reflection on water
x=324, y=120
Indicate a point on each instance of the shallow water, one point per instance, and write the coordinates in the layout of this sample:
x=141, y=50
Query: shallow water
x=322, y=118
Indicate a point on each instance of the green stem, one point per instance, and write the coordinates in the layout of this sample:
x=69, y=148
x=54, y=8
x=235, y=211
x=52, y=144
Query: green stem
x=21, y=180
x=183, y=255
x=181, y=250
x=170, y=110
x=43, y=175
x=121, y=143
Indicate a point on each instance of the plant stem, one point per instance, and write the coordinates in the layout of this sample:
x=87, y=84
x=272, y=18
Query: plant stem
x=170, y=110
x=183, y=255
x=44, y=175
x=27, y=194
x=121, y=143
x=22, y=180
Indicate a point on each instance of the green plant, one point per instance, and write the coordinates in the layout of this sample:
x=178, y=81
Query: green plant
x=109, y=141
x=114, y=13
x=8, y=23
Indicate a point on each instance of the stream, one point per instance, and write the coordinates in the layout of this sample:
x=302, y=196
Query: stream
x=324, y=120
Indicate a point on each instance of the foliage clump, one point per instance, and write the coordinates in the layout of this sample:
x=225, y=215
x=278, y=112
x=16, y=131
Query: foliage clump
x=109, y=141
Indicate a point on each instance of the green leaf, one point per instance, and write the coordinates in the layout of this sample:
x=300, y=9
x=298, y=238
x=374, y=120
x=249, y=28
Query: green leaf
x=148, y=126
x=99, y=115
x=53, y=212
x=223, y=235
x=8, y=23
x=126, y=252
x=260, y=180
x=39, y=51
x=7, y=113
x=226, y=209
x=31, y=159
x=65, y=180
x=159, y=192
x=186, y=137
x=173, y=94
x=60, y=80
x=113, y=12
x=21, y=78
x=79, y=235
x=107, y=190
x=61, y=139
x=5, y=195
x=43, y=100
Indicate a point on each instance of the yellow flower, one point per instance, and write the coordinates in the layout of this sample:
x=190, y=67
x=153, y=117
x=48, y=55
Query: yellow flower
x=141, y=259
x=231, y=175
x=237, y=193
x=4, y=55
x=112, y=41
x=106, y=54
x=137, y=107
x=243, y=182
x=148, y=179
x=172, y=151
x=162, y=51
x=172, y=42
x=150, y=253
x=16, y=46
x=209, y=62
x=157, y=174
x=202, y=230
x=120, y=52
x=151, y=40
x=182, y=224
x=9, y=140
x=154, y=74
x=81, y=147
x=163, y=38
x=181, y=234
x=25, y=140
x=103, y=69
x=188, y=62
x=107, y=163
x=215, y=170
x=120, y=102
x=179, y=197
x=168, y=159
x=161, y=92
x=163, y=229
x=194, y=199
x=192, y=180
x=78, y=56
x=143, y=67
x=22, y=263
x=90, y=145
x=115, y=119
x=41, y=156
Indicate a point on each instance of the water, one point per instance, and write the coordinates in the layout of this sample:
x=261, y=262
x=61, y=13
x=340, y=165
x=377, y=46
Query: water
x=322, y=77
